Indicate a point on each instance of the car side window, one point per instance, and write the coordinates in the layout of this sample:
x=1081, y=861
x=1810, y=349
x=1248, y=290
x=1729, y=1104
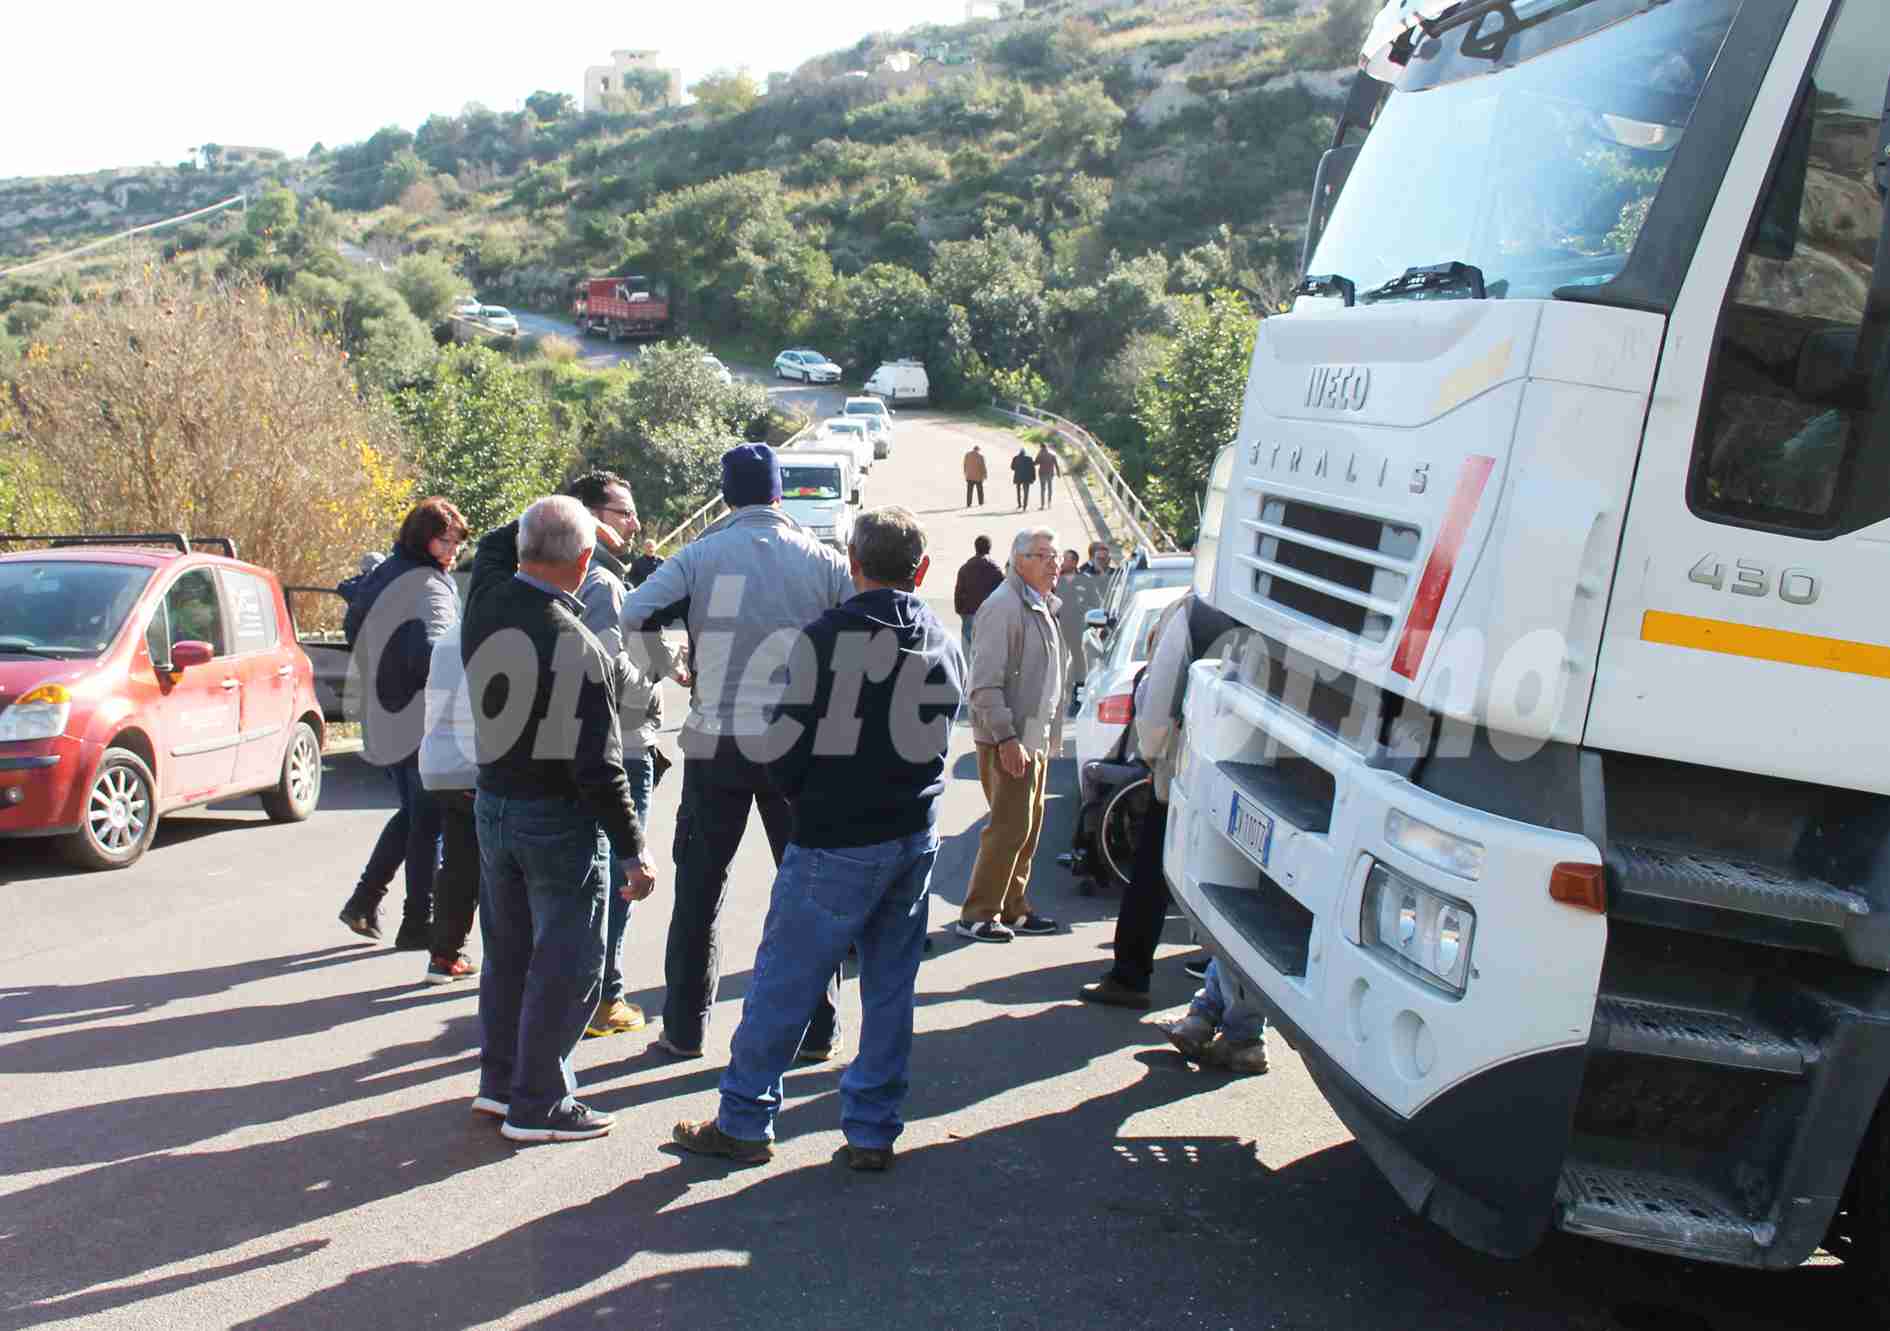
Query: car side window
x=1793, y=435
x=252, y=612
x=195, y=613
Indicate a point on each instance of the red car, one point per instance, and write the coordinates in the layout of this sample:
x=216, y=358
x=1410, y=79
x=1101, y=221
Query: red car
x=135, y=681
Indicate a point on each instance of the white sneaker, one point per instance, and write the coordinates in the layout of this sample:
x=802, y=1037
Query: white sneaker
x=486, y=1105
x=984, y=931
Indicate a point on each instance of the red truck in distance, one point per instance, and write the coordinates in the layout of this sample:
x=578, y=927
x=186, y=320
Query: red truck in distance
x=620, y=308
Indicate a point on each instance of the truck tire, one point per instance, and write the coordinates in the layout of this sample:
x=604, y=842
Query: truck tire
x=299, y=788
x=119, y=817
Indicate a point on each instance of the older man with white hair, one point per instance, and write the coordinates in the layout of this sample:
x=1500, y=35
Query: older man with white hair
x=554, y=802
x=1017, y=674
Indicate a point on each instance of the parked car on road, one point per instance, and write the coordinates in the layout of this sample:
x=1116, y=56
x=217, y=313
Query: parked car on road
x=136, y=680
x=1108, y=700
x=901, y=381
x=848, y=432
x=1144, y=569
x=808, y=366
x=870, y=406
x=877, y=431
x=498, y=319
x=467, y=307
x=718, y=369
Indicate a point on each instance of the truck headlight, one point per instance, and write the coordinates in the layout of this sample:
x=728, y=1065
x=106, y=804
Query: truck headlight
x=39, y=714
x=1426, y=933
x=1434, y=846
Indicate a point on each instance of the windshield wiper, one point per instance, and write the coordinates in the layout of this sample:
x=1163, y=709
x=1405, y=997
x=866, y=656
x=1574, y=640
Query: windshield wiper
x=1328, y=284
x=1440, y=281
x=22, y=649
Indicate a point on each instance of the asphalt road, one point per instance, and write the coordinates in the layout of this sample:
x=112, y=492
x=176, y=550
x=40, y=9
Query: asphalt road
x=220, y=1109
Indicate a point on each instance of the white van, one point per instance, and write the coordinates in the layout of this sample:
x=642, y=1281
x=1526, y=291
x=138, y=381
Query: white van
x=821, y=491
x=901, y=381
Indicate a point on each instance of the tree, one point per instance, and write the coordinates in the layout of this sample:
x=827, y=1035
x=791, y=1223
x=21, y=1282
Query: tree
x=272, y=214
x=549, y=106
x=482, y=434
x=385, y=344
x=998, y=280
x=1190, y=408
x=726, y=92
x=206, y=408
x=429, y=285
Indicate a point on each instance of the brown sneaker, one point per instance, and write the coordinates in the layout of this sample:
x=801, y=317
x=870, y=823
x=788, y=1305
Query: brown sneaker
x=1192, y=1035
x=1113, y=992
x=706, y=1138
x=869, y=1159
x=1243, y=1058
x=615, y=1018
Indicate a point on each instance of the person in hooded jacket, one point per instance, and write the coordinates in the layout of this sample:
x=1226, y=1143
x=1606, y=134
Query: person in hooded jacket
x=859, y=860
x=398, y=611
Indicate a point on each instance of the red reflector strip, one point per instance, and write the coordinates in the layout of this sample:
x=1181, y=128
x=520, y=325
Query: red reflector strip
x=1116, y=710
x=1583, y=885
x=1442, y=563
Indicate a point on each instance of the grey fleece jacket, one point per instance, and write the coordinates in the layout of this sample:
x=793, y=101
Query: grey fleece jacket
x=745, y=589
x=1017, y=670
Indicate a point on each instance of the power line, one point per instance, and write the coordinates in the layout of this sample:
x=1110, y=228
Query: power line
x=123, y=235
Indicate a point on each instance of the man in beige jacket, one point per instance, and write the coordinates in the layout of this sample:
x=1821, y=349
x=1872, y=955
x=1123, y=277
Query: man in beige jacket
x=1017, y=689
x=975, y=472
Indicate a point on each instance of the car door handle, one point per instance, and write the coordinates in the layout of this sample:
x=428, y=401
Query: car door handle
x=231, y=684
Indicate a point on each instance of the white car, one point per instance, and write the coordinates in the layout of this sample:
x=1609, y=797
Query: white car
x=498, y=319
x=870, y=407
x=1107, y=698
x=901, y=381
x=877, y=431
x=467, y=308
x=810, y=367
x=845, y=432
x=718, y=369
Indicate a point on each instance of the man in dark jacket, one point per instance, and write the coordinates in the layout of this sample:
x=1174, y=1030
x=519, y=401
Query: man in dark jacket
x=1023, y=473
x=644, y=564
x=870, y=697
x=554, y=802
x=978, y=577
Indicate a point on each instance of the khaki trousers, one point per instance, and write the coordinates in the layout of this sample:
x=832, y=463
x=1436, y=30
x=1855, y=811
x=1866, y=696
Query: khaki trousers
x=1001, y=875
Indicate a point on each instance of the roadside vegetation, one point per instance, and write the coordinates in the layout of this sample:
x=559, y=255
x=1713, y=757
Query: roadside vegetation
x=1086, y=210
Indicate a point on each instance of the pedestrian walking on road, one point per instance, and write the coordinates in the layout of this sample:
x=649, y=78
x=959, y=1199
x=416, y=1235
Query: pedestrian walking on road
x=978, y=577
x=975, y=474
x=737, y=587
x=643, y=565
x=1017, y=673
x=554, y=802
x=1077, y=594
x=858, y=867
x=398, y=611
x=1023, y=472
x=607, y=496
x=449, y=770
x=1048, y=469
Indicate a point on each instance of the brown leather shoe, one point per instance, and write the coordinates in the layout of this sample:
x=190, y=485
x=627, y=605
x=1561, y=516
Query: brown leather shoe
x=869, y=1159
x=1115, y=993
x=705, y=1137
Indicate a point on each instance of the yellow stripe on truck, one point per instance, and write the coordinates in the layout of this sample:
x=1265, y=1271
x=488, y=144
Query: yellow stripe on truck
x=1757, y=644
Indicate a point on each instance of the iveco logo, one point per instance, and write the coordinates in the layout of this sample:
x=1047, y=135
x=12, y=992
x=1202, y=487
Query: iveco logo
x=1338, y=387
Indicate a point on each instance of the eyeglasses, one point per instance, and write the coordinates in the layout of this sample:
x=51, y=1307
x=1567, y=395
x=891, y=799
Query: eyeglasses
x=1038, y=554
x=612, y=508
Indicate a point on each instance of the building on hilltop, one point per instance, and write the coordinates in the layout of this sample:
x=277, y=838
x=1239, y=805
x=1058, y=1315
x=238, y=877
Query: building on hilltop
x=632, y=80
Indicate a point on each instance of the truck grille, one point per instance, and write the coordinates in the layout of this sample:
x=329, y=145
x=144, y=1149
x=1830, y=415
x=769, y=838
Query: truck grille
x=1347, y=571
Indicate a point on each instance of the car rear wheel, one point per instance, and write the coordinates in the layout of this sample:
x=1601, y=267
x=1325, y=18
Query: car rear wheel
x=120, y=814
x=299, y=789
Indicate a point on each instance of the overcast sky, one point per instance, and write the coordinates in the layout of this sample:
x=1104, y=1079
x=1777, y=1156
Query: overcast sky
x=116, y=84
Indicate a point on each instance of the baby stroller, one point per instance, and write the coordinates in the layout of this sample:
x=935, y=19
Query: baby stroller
x=1116, y=790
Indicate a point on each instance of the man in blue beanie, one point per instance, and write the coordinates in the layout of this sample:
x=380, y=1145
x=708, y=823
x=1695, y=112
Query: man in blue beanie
x=744, y=589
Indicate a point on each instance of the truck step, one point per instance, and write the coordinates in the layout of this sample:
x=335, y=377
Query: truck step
x=1647, y=1210
x=1752, y=889
x=1633, y=1026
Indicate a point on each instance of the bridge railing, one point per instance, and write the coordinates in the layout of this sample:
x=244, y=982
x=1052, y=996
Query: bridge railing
x=1123, y=509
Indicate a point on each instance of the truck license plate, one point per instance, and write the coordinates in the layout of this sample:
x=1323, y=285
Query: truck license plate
x=1250, y=829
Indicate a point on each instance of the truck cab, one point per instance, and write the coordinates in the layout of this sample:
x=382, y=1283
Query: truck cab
x=1541, y=795
x=821, y=491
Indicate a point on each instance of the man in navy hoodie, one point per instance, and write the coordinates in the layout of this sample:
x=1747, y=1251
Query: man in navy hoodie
x=865, y=723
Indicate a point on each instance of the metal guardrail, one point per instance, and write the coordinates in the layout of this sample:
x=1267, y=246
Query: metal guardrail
x=715, y=510
x=1120, y=503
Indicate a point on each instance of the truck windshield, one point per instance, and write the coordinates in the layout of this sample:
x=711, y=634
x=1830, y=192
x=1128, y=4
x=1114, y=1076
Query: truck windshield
x=810, y=482
x=1538, y=173
x=63, y=607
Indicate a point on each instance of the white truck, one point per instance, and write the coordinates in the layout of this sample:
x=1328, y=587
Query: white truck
x=1541, y=791
x=820, y=489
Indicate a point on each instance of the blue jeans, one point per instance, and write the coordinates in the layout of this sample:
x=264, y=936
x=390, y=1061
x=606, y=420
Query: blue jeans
x=1239, y=1022
x=824, y=902
x=639, y=768
x=543, y=866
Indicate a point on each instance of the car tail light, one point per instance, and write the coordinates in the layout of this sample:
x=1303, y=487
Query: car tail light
x=1116, y=710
